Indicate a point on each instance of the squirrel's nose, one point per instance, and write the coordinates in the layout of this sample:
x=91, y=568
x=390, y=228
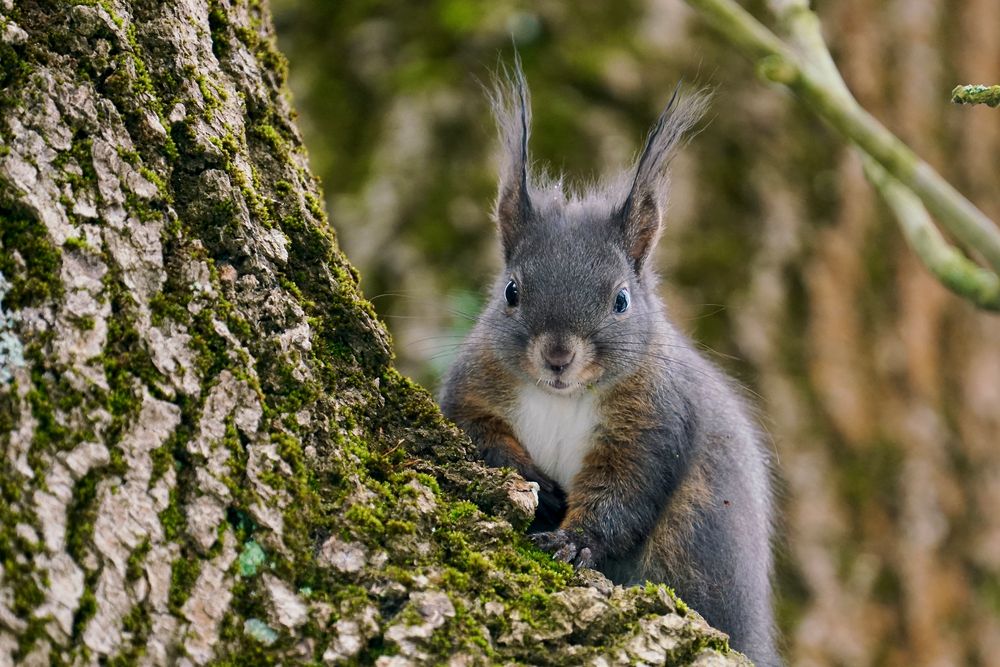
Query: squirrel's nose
x=557, y=358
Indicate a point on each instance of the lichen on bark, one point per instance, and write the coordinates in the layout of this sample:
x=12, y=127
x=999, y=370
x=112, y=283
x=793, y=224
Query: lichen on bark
x=208, y=457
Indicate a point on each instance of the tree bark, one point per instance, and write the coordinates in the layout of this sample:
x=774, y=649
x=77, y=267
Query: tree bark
x=207, y=455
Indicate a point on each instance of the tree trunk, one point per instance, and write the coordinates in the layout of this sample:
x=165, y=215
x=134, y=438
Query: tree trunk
x=207, y=455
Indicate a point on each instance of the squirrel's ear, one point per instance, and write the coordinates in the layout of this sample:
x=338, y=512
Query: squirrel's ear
x=512, y=111
x=642, y=211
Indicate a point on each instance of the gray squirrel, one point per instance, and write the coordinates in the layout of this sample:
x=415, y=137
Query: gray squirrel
x=648, y=465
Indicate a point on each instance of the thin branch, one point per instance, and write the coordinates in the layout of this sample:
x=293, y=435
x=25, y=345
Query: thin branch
x=953, y=269
x=815, y=79
x=988, y=95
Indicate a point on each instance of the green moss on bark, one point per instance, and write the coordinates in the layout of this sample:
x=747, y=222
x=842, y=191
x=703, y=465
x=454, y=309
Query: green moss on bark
x=184, y=572
x=28, y=259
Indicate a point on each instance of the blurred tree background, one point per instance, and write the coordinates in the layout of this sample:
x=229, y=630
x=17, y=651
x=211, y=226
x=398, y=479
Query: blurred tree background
x=880, y=390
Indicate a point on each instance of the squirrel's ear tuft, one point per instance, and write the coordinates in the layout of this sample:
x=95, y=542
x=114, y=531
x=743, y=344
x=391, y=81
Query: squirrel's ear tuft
x=512, y=110
x=642, y=211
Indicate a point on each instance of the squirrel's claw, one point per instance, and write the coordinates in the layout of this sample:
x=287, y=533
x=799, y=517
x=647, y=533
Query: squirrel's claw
x=572, y=548
x=550, y=540
x=566, y=553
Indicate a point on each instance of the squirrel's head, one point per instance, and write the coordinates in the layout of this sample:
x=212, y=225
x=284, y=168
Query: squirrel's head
x=575, y=305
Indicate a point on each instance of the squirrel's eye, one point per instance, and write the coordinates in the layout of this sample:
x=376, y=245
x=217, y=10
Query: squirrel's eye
x=511, y=294
x=622, y=301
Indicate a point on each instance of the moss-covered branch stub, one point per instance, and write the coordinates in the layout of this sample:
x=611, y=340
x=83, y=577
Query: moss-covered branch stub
x=976, y=94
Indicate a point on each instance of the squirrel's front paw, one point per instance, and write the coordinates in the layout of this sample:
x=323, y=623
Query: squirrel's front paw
x=572, y=547
x=550, y=511
x=545, y=483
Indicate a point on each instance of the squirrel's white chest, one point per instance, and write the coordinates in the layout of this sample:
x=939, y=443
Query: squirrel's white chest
x=557, y=431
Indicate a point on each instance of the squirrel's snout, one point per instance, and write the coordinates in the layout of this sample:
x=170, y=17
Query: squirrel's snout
x=561, y=362
x=557, y=357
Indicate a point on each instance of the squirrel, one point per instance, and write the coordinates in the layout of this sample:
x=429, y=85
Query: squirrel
x=648, y=465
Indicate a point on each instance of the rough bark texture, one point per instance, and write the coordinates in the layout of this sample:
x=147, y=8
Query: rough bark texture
x=207, y=456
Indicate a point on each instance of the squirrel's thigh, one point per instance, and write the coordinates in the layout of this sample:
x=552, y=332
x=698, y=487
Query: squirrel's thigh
x=670, y=555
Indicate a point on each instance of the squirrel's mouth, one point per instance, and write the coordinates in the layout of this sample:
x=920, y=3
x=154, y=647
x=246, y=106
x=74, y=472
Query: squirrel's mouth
x=560, y=387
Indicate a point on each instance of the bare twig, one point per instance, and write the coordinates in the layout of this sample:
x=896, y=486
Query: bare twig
x=953, y=269
x=806, y=67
